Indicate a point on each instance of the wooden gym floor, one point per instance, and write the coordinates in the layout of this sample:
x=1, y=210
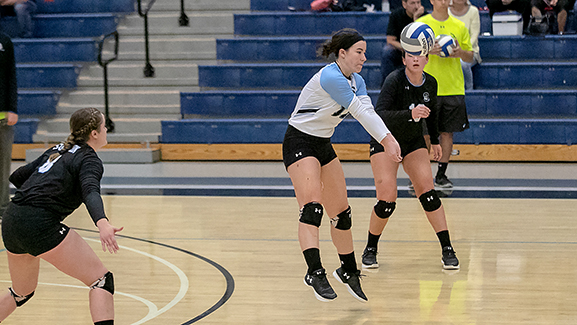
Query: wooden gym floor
x=236, y=260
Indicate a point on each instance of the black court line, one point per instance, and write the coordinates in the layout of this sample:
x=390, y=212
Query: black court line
x=229, y=279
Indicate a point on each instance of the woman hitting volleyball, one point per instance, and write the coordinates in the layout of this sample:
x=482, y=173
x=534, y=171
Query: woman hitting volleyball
x=48, y=190
x=408, y=98
x=334, y=92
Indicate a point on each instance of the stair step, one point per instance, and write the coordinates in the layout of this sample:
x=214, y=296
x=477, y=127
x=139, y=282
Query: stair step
x=115, y=156
x=46, y=137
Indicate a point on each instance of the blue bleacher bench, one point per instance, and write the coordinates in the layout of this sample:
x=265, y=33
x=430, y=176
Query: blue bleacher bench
x=280, y=103
x=522, y=103
x=311, y=23
x=75, y=25
x=525, y=75
x=279, y=75
x=86, y=6
x=279, y=5
x=55, y=50
x=25, y=129
x=38, y=102
x=481, y=131
x=55, y=75
x=65, y=25
x=303, y=48
x=549, y=47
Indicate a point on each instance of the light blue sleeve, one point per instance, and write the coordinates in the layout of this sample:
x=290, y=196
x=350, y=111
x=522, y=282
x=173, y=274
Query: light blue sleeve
x=361, y=85
x=334, y=83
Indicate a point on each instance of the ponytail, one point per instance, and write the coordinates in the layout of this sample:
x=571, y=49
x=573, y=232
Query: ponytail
x=82, y=123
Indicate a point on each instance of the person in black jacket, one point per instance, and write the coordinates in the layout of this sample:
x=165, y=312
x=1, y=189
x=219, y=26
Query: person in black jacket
x=407, y=101
x=8, y=115
x=48, y=190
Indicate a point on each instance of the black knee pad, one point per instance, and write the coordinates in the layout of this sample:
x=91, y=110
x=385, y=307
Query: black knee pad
x=20, y=300
x=343, y=220
x=106, y=282
x=430, y=201
x=384, y=209
x=312, y=214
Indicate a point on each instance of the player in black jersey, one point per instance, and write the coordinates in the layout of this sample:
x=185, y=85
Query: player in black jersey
x=407, y=100
x=48, y=190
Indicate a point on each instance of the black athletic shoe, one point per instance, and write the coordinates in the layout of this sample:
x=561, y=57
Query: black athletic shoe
x=443, y=182
x=370, y=258
x=449, y=259
x=321, y=286
x=352, y=281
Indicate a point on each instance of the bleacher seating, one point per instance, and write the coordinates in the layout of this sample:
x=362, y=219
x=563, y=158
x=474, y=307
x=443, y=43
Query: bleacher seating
x=65, y=34
x=66, y=25
x=524, y=87
x=303, y=48
x=55, y=75
x=311, y=23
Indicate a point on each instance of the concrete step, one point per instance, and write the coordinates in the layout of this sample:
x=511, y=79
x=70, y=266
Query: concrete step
x=167, y=23
x=122, y=124
x=135, y=110
x=130, y=74
x=124, y=96
x=168, y=47
x=116, y=156
x=47, y=137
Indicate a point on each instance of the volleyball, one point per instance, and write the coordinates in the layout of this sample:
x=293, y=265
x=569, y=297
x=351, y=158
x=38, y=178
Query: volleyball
x=447, y=43
x=417, y=38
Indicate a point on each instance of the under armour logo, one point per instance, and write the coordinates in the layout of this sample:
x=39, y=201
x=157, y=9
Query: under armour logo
x=62, y=231
x=407, y=87
x=429, y=198
x=334, y=221
x=317, y=210
x=298, y=154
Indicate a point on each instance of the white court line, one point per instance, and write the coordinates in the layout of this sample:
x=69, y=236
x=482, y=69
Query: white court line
x=181, y=292
x=151, y=306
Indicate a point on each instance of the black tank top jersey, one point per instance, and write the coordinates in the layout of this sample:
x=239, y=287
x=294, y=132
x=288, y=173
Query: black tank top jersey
x=62, y=185
x=398, y=96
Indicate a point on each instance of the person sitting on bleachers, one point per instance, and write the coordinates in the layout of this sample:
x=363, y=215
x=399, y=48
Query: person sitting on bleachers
x=521, y=6
x=539, y=7
x=391, y=58
x=469, y=14
x=24, y=10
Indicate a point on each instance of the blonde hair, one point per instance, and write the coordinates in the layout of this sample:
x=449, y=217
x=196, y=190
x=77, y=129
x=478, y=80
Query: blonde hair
x=82, y=123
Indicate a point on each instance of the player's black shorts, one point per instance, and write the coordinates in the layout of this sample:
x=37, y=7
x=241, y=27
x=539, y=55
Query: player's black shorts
x=452, y=113
x=31, y=230
x=298, y=145
x=406, y=146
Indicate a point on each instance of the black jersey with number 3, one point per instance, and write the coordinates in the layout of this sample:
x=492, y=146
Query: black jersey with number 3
x=398, y=96
x=62, y=185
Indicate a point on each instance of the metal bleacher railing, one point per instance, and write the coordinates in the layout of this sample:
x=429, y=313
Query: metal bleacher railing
x=148, y=68
x=104, y=64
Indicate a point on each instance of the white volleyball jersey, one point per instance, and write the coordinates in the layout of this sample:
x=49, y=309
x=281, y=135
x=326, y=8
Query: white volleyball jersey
x=328, y=98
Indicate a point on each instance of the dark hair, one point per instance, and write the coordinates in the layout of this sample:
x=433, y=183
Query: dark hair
x=343, y=39
x=82, y=123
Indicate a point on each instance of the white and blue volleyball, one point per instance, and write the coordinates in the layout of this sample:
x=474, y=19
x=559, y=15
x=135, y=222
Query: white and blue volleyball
x=417, y=38
x=447, y=43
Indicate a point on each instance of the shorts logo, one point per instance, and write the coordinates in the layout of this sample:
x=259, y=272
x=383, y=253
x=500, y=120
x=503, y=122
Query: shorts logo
x=298, y=154
x=62, y=231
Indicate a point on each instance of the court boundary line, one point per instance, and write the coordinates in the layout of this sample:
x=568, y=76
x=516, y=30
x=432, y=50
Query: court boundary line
x=230, y=284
